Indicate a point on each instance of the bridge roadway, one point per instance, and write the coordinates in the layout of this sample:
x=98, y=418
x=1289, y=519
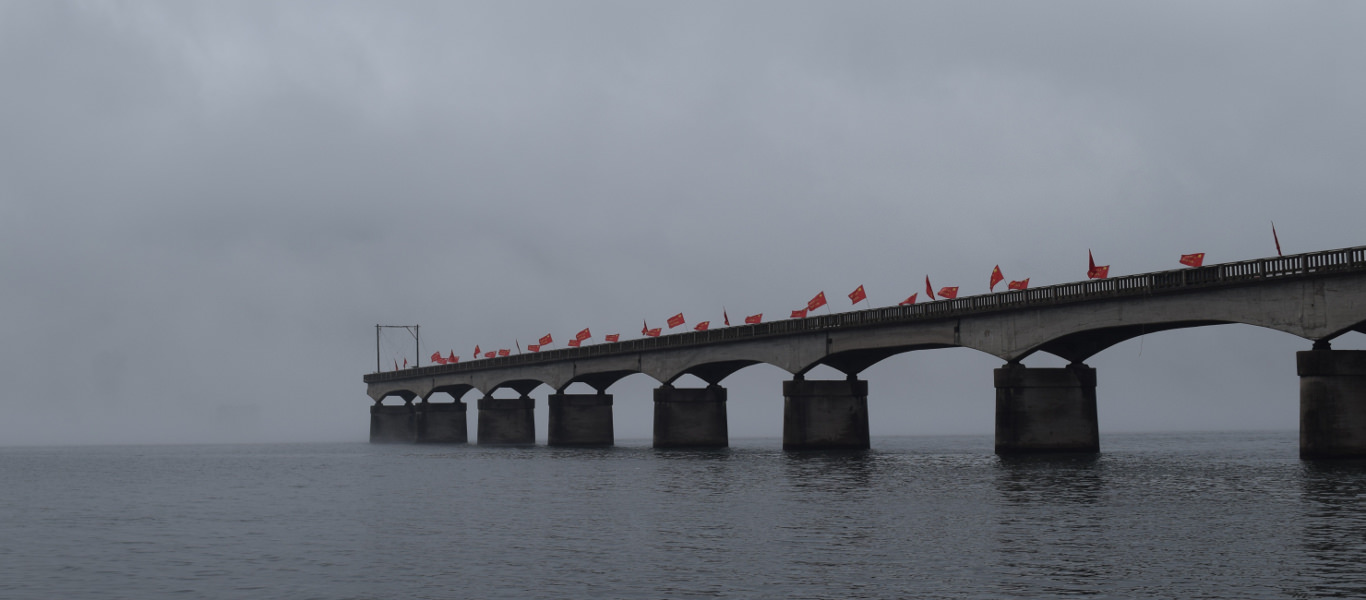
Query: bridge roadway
x=1317, y=296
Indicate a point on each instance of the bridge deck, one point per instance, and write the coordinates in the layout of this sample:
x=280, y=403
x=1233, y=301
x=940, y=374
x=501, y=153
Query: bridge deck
x=1314, y=264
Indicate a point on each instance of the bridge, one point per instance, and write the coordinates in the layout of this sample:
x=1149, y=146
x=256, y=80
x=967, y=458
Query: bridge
x=1316, y=296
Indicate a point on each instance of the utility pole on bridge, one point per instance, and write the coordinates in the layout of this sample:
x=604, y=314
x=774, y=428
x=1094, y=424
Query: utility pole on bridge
x=413, y=330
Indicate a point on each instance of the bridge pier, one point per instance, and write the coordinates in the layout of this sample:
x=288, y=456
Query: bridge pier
x=442, y=423
x=393, y=423
x=506, y=420
x=580, y=420
x=1046, y=410
x=825, y=415
x=1332, y=403
x=690, y=417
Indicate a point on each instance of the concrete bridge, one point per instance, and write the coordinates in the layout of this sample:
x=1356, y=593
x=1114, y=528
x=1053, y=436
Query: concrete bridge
x=1317, y=296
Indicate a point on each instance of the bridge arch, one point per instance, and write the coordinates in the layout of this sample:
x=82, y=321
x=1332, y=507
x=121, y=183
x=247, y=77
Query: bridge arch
x=403, y=390
x=455, y=390
x=1315, y=310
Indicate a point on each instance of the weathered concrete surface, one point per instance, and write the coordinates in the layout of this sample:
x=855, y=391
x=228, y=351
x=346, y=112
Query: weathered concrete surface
x=1046, y=410
x=442, y=423
x=1332, y=403
x=580, y=420
x=825, y=415
x=1307, y=306
x=691, y=417
x=507, y=421
x=393, y=423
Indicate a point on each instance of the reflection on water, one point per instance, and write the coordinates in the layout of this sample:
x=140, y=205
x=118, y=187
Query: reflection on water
x=1052, y=478
x=1052, y=528
x=841, y=472
x=1334, y=527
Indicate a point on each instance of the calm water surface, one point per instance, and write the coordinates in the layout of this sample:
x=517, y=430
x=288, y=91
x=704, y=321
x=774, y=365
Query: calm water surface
x=1160, y=516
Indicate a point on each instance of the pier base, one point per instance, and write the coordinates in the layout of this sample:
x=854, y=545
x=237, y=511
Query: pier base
x=1046, y=410
x=580, y=420
x=442, y=423
x=393, y=423
x=691, y=417
x=507, y=421
x=825, y=415
x=1332, y=403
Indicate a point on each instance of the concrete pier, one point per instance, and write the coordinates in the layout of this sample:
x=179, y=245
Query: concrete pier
x=442, y=423
x=393, y=423
x=825, y=415
x=507, y=421
x=580, y=420
x=1332, y=403
x=691, y=417
x=1046, y=410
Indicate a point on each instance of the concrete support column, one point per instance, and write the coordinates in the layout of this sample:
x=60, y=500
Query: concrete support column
x=442, y=423
x=1046, y=410
x=507, y=421
x=393, y=423
x=1332, y=403
x=691, y=417
x=580, y=420
x=825, y=415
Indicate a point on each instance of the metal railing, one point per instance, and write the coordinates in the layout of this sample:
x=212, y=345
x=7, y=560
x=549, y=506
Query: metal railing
x=1147, y=284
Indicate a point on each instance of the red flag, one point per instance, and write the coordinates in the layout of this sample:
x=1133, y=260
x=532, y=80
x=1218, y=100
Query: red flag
x=546, y=340
x=533, y=347
x=575, y=343
x=1096, y=272
x=725, y=316
x=948, y=292
x=702, y=326
x=652, y=332
x=405, y=362
x=1193, y=260
x=613, y=337
x=1023, y=284
x=816, y=302
x=858, y=295
x=1276, y=238
x=583, y=335
x=490, y=354
x=436, y=357
x=996, y=277
x=504, y=352
x=910, y=300
x=754, y=319
x=476, y=350
x=676, y=320
x=395, y=364
x=799, y=314
x=452, y=358
x=645, y=328
x=929, y=291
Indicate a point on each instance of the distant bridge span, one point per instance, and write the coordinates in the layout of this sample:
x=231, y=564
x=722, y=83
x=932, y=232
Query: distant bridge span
x=1316, y=296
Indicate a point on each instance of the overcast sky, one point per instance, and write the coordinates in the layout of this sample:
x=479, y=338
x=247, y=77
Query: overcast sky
x=205, y=207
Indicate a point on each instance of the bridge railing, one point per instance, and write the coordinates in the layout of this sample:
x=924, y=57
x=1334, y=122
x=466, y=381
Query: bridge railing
x=1236, y=273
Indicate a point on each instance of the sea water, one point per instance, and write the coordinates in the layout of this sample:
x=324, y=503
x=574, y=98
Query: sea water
x=1224, y=515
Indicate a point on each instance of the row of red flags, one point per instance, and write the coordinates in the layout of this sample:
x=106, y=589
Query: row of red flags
x=1093, y=271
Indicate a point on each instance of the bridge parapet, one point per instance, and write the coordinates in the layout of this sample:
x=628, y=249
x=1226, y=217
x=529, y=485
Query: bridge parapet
x=1315, y=264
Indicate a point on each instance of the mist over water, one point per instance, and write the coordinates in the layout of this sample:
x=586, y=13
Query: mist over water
x=1227, y=515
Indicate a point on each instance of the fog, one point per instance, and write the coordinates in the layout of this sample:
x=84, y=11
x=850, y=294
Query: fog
x=206, y=207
